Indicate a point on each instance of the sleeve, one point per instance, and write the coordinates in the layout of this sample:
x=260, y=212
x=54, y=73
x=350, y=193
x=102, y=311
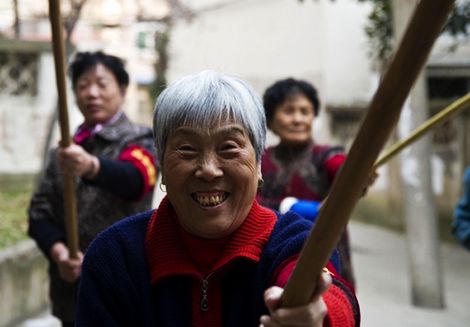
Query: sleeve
x=144, y=160
x=46, y=209
x=95, y=306
x=115, y=287
x=461, y=222
x=120, y=178
x=340, y=300
x=333, y=161
x=132, y=176
x=105, y=296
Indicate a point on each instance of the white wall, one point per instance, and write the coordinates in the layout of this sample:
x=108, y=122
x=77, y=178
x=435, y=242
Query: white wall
x=265, y=40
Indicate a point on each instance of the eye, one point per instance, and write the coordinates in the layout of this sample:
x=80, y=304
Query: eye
x=81, y=86
x=288, y=110
x=186, y=148
x=102, y=84
x=307, y=111
x=228, y=146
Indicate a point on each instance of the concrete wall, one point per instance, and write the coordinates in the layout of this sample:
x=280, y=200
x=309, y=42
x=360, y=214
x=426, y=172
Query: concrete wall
x=262, y=41
x=24, y=118
x=24, y=283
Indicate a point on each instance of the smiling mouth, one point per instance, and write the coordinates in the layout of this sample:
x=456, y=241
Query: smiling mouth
x=210, y=200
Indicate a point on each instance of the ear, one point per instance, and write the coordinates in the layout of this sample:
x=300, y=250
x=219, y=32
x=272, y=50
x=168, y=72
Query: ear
x=260, y=174
x=123, y=90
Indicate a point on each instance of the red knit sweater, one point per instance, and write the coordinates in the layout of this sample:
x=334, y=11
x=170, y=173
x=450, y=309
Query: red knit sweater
x=173, y=251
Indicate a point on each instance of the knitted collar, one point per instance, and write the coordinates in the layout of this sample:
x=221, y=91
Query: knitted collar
x=167, y=254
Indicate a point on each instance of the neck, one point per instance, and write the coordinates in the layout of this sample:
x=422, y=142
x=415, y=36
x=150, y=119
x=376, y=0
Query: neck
x=287, y=151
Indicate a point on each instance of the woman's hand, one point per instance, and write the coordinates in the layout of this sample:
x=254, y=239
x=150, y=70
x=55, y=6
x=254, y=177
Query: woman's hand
x=77, y=162
x=69, y=269
x=311, y=314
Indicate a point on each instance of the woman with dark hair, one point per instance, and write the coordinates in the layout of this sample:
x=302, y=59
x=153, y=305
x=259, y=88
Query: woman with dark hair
x=298, y=167
x=209, y=255
x=113, y=161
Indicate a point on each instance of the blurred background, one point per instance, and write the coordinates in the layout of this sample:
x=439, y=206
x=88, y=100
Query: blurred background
x=341, y=46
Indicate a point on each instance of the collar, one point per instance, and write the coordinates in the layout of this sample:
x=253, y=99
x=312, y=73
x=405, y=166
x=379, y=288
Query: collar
x=168, y=256
x=84, y=132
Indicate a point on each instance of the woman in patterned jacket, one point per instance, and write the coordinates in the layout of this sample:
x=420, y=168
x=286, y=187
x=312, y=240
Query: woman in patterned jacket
x=113, y=161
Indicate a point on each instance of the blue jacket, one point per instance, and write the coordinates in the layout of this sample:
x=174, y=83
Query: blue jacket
x=461, y=223
x=115, y=287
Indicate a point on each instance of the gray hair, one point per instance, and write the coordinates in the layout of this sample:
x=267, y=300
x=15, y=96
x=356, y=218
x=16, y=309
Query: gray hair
x=205, y=100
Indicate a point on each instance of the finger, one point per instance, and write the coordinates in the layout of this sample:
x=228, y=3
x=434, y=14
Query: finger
x=272, y=297
x=266, y=321
x=324, y=282
x=311, y=314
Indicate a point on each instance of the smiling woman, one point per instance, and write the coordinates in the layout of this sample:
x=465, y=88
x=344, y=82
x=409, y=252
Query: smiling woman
x=210, y=178
x=298, y=167
x=210, y=255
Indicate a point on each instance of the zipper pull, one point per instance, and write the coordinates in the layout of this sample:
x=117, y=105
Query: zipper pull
x=205, y=300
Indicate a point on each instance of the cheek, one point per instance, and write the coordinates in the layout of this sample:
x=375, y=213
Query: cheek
x=247, y=174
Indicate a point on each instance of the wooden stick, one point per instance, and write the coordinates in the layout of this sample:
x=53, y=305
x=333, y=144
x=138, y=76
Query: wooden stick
x=69, y=182
x=439, y=118
x=384, y=110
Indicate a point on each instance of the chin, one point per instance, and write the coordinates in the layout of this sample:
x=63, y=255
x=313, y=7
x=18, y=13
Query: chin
x=298, y=141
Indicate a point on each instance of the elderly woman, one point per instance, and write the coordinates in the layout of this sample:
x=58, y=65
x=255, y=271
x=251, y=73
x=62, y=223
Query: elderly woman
x=298, y=167
x=210, y=255
x=112, y=160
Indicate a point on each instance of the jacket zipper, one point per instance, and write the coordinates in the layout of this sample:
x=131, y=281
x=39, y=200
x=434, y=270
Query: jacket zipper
x=205, y=288
x=205, y=298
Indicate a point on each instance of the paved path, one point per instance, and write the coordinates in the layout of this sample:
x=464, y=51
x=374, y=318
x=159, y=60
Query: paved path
x=380, y=262
x=383, y=285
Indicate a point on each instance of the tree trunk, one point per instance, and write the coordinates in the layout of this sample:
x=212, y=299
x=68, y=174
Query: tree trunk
x=421, y=218
x=16, y=24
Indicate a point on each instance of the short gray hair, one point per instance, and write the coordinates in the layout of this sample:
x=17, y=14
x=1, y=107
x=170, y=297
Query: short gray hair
x=205, y=100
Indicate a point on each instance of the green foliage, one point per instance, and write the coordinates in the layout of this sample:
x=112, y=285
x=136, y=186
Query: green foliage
x=458, y=23
x=380, y=26
x=15, y=192
x=379, y=30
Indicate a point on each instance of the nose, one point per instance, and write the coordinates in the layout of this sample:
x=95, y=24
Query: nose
x=93, y=90
x=209, y=169
x=297, y=117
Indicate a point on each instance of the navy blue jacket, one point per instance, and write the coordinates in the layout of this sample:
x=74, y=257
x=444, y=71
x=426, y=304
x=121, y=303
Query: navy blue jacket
x=115, y=286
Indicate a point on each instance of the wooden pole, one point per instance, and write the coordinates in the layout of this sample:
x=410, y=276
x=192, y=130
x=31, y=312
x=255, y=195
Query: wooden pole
x=69, y=182
x=384, y=111
x=439, y=118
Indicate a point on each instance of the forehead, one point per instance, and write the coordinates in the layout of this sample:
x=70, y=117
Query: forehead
x=217, y=130
x=297, y=96
x=99, y=71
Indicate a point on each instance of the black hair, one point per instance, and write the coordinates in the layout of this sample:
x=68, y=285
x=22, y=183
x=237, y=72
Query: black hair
x=280, y=91
x=85, y=60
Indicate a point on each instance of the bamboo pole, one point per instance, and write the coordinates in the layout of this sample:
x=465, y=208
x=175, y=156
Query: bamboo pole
x=384, y=111
x=69, y=182
x=437, y=119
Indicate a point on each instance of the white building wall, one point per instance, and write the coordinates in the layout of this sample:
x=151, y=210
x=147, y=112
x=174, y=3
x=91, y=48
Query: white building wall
x=266, y=40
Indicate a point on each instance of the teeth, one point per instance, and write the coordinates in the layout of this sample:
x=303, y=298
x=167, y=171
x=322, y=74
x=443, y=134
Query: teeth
x=210, y=201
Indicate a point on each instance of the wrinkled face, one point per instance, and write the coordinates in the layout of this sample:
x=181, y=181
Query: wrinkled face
x=292, y=120
x=99, y=96
x=211, y=178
